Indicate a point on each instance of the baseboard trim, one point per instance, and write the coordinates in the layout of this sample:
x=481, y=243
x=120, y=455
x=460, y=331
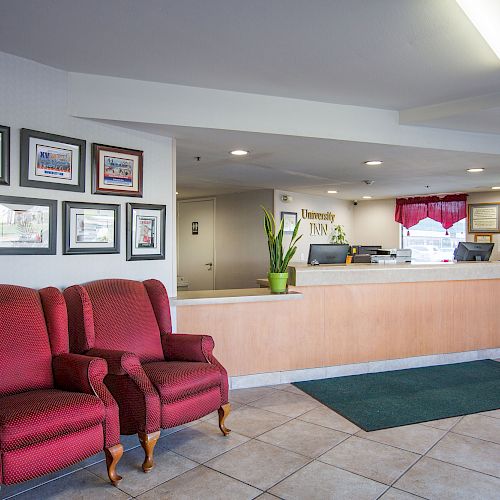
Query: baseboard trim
x=286, y=377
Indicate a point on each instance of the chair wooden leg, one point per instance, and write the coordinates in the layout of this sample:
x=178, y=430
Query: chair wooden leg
x=148, y=442
x=224, y=411
x=113, y=455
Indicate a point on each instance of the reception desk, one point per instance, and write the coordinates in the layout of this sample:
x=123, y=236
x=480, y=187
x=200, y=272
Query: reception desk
x=354, y=319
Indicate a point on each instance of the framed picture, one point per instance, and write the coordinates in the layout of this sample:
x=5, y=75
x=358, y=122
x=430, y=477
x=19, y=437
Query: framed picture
x=4, y=155
x=28, y=226
x=484, y=218
x=289, y=221
x=483, y=238
x=145, y=231
x=52, y=161
x=116, y=171
x=90, y=228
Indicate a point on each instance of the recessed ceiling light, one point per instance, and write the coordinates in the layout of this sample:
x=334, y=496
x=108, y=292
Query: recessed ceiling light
x=332, y=192
x=367, y=197
x=372, y=163
x=485, y=16
x=177, y=192
x=495, y=187
x=475, y=170
x=239, y=152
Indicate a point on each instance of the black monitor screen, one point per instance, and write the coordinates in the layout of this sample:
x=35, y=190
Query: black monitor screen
x=467, y=251
x=327, y=254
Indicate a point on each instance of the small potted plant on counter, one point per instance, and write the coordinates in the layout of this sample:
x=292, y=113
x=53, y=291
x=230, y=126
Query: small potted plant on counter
x=338, y=235
x=278, y=259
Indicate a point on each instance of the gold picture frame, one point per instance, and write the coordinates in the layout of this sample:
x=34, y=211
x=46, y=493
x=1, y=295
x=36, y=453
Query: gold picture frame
x=483, y=238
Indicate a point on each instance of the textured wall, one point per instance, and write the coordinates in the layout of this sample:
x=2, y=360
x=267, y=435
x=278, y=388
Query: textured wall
x=35, y=96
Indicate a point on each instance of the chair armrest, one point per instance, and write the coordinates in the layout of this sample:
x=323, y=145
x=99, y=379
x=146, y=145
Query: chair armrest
x=119, y=362
x=78, y=373
x=182, y=347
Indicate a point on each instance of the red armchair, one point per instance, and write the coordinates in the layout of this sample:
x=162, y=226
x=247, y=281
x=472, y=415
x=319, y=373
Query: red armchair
x=159, y=379
x=54, y=407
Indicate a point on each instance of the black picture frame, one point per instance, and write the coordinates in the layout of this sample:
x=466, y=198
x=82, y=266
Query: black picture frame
x=162, y=211
x=52, y=204
x=5, y=156
x=117, y=190
x=282, y=216
x=69, y=249
x=26, y=135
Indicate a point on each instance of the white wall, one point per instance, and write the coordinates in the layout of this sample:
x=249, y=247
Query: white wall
x=35, y=96
x=240, y=242
x=374, y=223
x=342, y=209
x=488, y=197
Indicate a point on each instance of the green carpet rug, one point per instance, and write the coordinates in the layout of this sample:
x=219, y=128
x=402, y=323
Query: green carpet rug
x=390, y=399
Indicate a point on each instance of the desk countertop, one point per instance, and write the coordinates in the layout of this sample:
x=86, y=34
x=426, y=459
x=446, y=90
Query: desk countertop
x=351, y=274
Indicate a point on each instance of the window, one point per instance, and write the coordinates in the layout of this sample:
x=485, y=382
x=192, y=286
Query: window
x=429, y=243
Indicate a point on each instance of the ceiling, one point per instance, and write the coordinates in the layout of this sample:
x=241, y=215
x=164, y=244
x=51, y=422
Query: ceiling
x=390, y=54
x=406, y=55
x=314, y=166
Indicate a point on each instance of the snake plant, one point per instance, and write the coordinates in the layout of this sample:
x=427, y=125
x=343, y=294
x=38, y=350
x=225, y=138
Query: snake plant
x=278, y=259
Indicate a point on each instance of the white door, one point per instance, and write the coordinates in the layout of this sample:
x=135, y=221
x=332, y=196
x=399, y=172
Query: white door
x=195, y=232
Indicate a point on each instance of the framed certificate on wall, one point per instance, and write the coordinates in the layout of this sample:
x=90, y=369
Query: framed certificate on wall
x=484, y=218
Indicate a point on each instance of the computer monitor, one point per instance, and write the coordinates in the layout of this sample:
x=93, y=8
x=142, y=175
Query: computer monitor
x=473, y=251
x=327, y=253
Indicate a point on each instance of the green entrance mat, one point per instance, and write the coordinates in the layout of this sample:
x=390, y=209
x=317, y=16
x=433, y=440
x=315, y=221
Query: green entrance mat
x=390, y=399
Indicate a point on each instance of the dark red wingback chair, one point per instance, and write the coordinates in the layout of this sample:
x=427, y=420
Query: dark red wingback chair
x=159, y=379
x=54, y=407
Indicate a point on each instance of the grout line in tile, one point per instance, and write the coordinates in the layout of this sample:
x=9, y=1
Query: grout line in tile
x=465, y=468
x=474, y=437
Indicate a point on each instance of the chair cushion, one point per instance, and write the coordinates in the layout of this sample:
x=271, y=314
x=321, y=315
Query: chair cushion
x=179, y=379
x=25, y=354
x=30, y=417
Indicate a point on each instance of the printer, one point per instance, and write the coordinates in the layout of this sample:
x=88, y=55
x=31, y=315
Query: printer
x=392, y=256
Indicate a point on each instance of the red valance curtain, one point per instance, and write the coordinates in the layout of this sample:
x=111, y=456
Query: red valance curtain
x=447, y=209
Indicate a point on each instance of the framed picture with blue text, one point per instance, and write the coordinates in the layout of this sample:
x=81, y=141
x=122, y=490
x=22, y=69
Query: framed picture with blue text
x=4, y=155
x=51, y=161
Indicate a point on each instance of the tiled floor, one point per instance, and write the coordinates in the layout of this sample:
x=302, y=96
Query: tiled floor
x=284, y=444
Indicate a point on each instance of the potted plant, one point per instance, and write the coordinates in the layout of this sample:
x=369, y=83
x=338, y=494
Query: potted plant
x=338, y=235
x=278, y=259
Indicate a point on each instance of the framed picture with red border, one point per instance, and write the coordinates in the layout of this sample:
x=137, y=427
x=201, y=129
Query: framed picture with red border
x=116, y=171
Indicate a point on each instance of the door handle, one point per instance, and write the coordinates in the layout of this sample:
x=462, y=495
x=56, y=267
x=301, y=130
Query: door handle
x=209, y=264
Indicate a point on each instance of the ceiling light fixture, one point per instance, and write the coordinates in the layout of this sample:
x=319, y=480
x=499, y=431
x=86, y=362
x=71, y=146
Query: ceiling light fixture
x=367, y=197
x=177, y=192
x=239, y=152
x=485, y=16
x=373, y=163
x=495, y=187
x=332, y=192
x=475, y=170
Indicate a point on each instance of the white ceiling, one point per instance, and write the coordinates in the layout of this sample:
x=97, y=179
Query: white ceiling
x=394, y=54
x=315, y=166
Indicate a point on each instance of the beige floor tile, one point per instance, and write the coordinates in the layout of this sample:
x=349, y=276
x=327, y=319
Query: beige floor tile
x=437, y=480
x=468, y=452
x=417, y=438
x=245, y=396
x=259, y=464
x=286, y=403
x=266, y=496
x=167, y=466
x=480, y=427
x=304, y=438
x=202, y=484
x=492, y=413
x=77, y=486
x=288, y=388
x=202, y=442
x=318, y=481
x=394, y=494
x=444, y=423
x=377, y=461
x=328, y=418
x=252, y=422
